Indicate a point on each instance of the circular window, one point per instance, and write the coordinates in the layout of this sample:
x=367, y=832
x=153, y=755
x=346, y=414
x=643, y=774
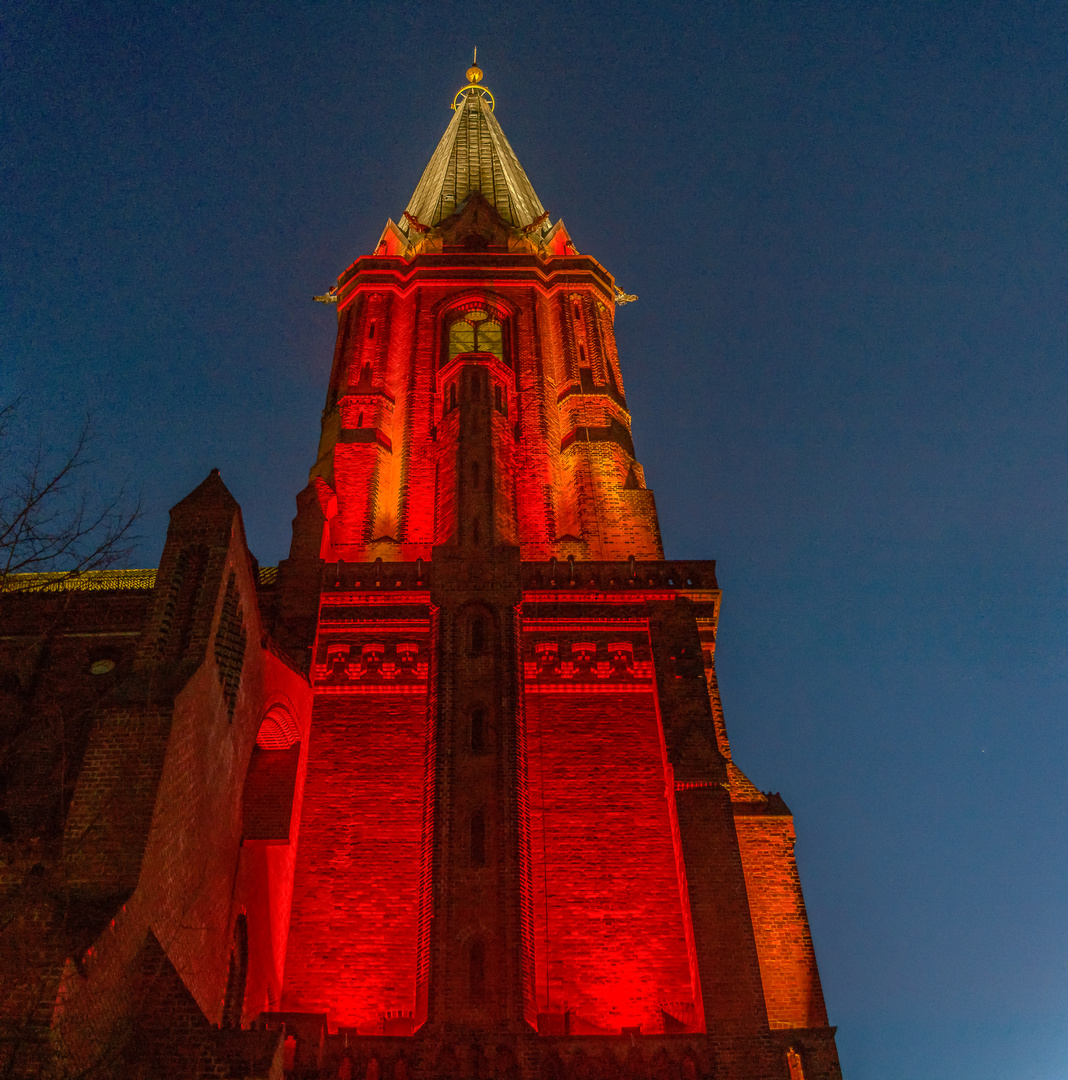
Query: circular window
x=101, y=667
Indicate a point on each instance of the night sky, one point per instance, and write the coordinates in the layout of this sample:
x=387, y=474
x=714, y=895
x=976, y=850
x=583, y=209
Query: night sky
x=848, y=229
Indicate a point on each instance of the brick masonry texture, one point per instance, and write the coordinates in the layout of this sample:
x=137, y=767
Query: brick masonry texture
x=449, y=795
x=608, y=925
x=352, y=938
x=784, y=945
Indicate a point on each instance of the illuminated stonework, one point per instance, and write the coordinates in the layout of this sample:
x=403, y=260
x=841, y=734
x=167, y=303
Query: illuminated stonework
x=449, y=794
x=581, y=859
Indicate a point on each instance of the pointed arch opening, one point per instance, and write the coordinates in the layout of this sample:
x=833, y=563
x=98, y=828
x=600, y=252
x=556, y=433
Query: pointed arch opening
x=474, y=327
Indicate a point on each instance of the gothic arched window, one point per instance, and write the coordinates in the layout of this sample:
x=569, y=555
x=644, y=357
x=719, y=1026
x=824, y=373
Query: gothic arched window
x=476, y=331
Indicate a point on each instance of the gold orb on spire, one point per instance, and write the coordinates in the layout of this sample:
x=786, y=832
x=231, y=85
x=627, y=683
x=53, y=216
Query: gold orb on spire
x=472, y=92
x=474, y=72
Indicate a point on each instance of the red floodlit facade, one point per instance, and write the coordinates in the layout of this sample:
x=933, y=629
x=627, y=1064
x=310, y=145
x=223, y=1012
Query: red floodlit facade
x=449, y=793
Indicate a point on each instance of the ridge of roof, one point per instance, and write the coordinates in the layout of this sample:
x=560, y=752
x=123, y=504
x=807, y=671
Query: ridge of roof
x=473, y=155
x=52, y=581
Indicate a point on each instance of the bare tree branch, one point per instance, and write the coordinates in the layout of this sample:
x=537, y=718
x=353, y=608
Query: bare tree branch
x=52, y=526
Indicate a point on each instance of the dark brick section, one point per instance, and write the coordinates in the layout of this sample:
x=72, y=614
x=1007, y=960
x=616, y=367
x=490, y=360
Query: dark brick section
x=616, y=576
x=614, y=432
x=477, y=903
x=723, y=936
x=230, y=642
x=113, y=957
x=496, y=1056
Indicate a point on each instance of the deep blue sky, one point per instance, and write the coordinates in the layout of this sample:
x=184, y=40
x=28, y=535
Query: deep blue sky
x=847, y=228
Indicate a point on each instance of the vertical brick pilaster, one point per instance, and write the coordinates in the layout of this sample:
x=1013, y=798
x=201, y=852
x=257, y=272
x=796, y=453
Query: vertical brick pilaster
x=476, y=869
x=723, y=945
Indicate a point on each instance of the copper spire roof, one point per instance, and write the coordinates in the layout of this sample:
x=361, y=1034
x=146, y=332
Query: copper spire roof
x=473, y=155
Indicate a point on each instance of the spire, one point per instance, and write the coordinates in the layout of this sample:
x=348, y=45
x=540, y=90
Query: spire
x=473, y=155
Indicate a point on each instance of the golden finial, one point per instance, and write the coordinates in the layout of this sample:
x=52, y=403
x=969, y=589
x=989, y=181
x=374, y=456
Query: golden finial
x=472, y=89
x=474, y=72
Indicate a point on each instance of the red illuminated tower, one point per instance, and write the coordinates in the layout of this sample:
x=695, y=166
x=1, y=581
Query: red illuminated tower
x=447, y=795
x=522, y=836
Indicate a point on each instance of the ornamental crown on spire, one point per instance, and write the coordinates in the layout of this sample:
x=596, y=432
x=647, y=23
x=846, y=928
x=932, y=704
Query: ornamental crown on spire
x=474, y=157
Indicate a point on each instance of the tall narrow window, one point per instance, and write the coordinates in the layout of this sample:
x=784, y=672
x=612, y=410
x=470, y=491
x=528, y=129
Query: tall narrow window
x=371, y=331
x=793, y=1060
x=582, y=354
x=478, y=731
x=476, y=985
x=452, y=396
x=478, y=634
x=359, y=420
x=478, y=839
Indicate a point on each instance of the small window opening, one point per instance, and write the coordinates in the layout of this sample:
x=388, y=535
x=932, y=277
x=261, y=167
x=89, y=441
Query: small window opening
x=477, y=971
x=478, y=839
x=582, y=354
x=366, y=376
x=452, y=396
x=478, y=731
x=359, y=420
x=578, y=312
x=793, y=1060
x=478, y=634
x=371, y=331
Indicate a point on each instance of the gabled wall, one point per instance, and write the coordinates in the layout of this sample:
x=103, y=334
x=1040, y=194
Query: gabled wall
x=155, y=826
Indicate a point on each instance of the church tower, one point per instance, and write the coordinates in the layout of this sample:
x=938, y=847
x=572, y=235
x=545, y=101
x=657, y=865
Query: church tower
x=524, y=848
x=446, y=795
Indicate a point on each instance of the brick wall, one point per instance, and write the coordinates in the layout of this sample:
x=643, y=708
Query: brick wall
x=792, y=988
x=352, y=937
x=608, y=928
x=386, y=440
